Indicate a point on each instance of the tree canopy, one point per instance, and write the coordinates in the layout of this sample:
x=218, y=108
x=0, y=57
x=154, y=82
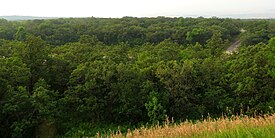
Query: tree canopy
x=65, y=72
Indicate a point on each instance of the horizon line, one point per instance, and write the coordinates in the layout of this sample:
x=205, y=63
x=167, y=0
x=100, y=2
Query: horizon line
x=233, y=16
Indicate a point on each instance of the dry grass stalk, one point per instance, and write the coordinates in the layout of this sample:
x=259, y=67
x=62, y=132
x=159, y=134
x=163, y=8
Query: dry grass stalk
x=204, y=128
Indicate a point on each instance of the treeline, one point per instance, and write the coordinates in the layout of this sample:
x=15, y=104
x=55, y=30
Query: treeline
x=135, y=31
x=64, y=72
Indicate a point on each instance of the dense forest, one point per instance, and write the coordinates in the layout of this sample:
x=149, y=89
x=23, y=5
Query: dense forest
x=62, y=73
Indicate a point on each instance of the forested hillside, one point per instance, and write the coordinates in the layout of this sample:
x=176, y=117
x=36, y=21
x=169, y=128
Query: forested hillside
x=57, y=74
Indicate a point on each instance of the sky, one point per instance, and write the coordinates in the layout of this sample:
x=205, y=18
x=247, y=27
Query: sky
x=139, y=8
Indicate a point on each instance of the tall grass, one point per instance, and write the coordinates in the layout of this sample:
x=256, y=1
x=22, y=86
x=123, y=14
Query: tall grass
x=235, y=126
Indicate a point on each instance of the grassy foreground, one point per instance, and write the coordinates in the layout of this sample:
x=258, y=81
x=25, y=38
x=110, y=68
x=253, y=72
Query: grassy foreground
x=223, y=127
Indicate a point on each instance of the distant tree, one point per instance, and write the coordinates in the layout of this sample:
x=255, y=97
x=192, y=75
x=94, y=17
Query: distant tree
x=7, y=29
x=86, y=39
x=21, y=34
x=215, y=44
x=196, y=35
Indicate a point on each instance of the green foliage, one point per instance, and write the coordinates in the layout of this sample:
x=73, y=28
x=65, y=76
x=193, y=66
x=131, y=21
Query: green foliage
x=17, y=113
x=246, y=71
x=272, y=56
x=215, y=44
x=196, y=35
x=44, y=101
x=60, y=72
x=86, y=39
x=36, y=57
x=13, y=71
x=7, y=29
x=21, y=34
x=156, y=113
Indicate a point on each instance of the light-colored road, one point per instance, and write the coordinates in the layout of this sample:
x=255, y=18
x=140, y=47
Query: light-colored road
x=233, y=47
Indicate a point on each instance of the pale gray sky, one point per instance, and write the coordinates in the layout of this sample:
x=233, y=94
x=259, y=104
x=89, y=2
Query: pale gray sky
x=139, y=8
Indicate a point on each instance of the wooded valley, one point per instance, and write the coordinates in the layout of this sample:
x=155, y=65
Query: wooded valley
x=58, y=74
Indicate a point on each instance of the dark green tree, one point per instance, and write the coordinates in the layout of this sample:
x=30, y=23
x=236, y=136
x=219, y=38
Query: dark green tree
x=36, y=57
